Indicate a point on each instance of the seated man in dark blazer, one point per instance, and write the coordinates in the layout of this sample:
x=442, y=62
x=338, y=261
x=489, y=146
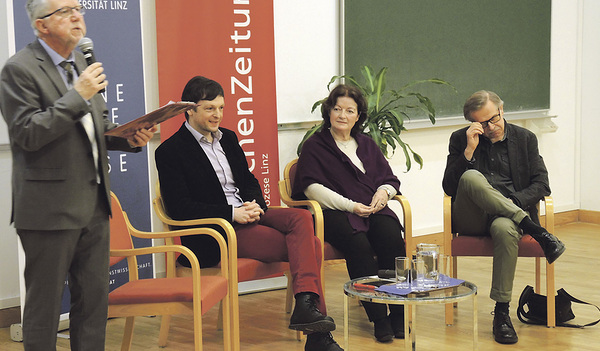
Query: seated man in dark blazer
x=496, y=177
x=203, y=173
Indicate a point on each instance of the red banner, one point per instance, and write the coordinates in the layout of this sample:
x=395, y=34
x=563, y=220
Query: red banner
x=231, y=42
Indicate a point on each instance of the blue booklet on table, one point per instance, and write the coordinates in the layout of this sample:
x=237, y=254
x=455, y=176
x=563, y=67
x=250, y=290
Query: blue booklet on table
x=392, y=289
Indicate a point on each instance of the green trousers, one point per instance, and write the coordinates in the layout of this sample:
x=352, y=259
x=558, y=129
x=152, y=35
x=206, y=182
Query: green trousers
x=479, y=209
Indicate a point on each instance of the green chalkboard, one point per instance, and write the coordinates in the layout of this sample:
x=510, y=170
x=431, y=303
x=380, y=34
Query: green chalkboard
x=498, y=45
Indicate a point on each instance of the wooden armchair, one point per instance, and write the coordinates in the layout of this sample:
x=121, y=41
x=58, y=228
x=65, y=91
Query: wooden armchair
x=171, y=295
x=247, y=269
x=329, y=252
x=456, y=245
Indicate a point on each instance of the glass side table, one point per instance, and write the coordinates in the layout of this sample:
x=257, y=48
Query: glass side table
x=461, y=292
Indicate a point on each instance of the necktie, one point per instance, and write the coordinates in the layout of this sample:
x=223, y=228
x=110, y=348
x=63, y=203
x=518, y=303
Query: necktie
x=86, y=121
x=68, y=67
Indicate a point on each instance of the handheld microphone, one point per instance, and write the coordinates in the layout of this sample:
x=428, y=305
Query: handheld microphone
x=86, y=45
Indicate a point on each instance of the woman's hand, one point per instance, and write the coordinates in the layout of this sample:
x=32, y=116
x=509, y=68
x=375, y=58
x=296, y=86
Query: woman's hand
x=362, y=210
x=379, y=201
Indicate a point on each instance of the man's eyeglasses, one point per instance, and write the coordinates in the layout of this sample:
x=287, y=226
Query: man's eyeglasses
x=495, y=119
x=66, y=11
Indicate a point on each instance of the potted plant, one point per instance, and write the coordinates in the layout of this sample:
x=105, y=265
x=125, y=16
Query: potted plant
x=387, y=110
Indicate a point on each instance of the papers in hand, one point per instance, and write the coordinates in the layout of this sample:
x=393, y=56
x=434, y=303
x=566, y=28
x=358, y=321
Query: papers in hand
x=157, y=116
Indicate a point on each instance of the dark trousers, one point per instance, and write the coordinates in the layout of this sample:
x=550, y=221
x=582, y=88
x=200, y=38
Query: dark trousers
x=51, y=256
x=366, y=253
x=281, y=235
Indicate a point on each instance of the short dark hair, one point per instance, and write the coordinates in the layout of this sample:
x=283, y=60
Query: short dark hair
x=352, y=92
x=201, y=88
x=476, y=101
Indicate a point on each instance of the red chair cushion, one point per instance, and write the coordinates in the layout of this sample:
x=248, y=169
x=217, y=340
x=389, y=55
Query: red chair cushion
x=214, y=289
x=331, y=253
x=250, y=269
x=464, y=245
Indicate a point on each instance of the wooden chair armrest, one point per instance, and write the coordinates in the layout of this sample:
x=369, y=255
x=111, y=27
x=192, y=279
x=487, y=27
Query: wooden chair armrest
x=407, y=222
x=131, y=254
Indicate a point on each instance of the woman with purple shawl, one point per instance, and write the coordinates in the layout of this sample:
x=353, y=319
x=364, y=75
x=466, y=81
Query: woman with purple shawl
x=346, y=172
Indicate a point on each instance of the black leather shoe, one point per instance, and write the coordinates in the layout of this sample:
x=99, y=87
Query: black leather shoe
x=383, y=330
x=504, y=332
x=307, y=317
x=321, y=342
x=397, y=320
x=552, y=247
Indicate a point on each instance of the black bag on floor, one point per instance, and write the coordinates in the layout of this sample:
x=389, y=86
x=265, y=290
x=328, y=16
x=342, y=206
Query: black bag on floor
x=537, y=312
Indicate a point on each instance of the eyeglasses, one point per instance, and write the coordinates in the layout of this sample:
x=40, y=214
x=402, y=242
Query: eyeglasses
x=66, y=12
x=495, y=119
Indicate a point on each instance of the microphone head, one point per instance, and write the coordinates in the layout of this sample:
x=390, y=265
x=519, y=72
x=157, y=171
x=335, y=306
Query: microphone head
x=85, y=44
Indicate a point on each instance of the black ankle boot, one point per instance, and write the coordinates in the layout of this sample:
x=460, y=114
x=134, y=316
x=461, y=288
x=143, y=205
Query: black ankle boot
x=504, y=332
x=550, y=244
x=307, y=317
x=383, y=330
x=321, y=342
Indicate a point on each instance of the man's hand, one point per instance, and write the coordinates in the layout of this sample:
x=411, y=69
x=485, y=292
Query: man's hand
x=249, y=212
x=142, y=136
x=379, y=201
x=473, y=133
x=91, y=81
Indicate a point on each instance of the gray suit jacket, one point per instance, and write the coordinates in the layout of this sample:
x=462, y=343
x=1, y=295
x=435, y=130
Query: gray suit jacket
x=54, y=178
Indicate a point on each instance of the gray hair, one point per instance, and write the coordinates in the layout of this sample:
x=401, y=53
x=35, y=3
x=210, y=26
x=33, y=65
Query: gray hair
x=36, y=9
x=476, y=101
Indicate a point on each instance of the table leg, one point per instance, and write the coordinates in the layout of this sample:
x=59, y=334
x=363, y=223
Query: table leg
x=410, y=323
x=345, y=322
x=475, y=327
x=407, y=326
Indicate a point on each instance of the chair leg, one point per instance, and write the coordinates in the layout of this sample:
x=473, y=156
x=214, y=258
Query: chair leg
x=220, y=317
x=550, y=293
x=450, y=306
x=538, y=274
x=128, y=334
x=225, y=314
x=164, y=330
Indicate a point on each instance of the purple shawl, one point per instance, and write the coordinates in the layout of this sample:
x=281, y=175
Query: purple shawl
x=321, y=161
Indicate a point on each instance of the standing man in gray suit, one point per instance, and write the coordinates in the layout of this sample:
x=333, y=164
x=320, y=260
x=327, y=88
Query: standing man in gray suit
x=61, y=193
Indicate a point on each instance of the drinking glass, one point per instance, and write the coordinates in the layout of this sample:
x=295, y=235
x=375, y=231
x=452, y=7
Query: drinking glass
x=445, y=267
x=418, y=274
x=402, y=272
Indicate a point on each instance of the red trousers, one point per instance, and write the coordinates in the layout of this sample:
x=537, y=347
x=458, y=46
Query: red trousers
x=286, y=234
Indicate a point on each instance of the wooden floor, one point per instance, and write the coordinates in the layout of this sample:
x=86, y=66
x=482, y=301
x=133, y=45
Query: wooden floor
x=264, y=322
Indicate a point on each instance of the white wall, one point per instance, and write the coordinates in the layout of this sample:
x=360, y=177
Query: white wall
x=590, y=90
x=307, y=55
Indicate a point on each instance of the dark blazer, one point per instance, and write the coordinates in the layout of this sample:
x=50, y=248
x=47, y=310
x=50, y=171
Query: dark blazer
x=189, y=185
x=529, y=174
x=54, y=177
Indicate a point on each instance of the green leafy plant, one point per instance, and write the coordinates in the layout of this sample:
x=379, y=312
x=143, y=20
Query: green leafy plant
x=387, y=110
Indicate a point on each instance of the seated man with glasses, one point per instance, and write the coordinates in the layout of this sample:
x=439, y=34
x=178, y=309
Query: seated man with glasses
x=496, y=177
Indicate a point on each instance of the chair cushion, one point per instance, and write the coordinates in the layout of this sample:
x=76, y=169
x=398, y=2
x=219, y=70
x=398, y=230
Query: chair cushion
x=465, y=245
x=214, y=289
x=248, y=269
x=331, y=253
